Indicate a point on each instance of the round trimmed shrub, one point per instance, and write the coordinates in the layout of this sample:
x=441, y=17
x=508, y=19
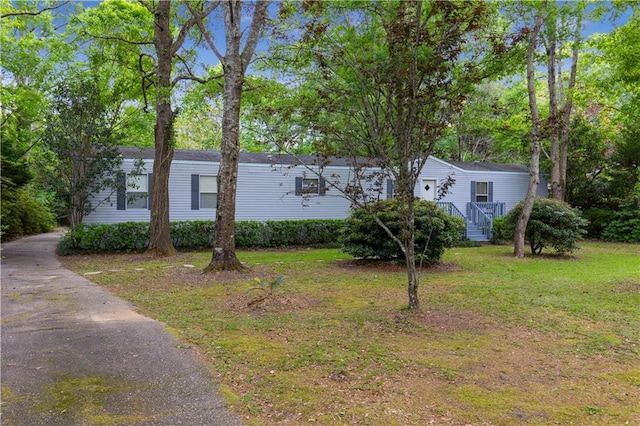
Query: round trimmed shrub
x=552, y=224
x=435, y=231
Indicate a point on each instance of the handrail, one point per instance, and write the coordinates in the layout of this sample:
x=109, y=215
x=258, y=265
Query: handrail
x=479, y=218
x=452, y=210
x=492, y=209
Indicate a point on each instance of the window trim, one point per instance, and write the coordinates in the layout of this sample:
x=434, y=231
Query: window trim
x=125, y=192
x=196, y=203
x=301, y=191
x=484, y=194
x=201, y=192
x=475, y=194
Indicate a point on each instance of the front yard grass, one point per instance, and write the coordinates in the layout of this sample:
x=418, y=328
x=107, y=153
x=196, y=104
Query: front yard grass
x=545, y=340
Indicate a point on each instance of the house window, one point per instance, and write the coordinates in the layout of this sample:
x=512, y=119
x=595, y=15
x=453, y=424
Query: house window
x=137, y=191
x=208, y=192
x=310, y=186
x=482, y=192
x=204, y=192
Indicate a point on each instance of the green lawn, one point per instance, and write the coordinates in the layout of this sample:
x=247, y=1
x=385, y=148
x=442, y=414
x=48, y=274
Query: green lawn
x=498, y=340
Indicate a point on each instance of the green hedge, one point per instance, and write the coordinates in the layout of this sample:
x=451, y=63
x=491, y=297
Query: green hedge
x=624, y=227
x=132, y=237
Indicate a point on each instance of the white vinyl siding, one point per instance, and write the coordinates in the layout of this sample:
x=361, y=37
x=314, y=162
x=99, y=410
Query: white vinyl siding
x=268, y=191
x=508, y=187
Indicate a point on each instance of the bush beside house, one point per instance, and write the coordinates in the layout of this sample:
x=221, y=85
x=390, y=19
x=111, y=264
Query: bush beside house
x=435, y=231
x=552, y=224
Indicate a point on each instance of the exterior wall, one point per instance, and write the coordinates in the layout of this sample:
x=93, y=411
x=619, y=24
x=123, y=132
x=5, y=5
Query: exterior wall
x=267, y=192
x=264, y=192
x=508, y=187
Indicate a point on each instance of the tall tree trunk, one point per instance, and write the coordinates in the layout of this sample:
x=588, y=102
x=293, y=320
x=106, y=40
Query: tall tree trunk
x=410, y=254
x=234, y=63
x=534, y=168
x=553, y=83
x=561, y=102
x=224, y=247
x=565, y=125
x=160, y=237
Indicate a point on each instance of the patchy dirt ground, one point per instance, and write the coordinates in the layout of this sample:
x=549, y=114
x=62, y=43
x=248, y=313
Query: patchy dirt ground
x=335, y=345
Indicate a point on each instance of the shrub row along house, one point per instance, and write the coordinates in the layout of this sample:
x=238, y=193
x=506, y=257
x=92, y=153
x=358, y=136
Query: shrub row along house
x=280, y=186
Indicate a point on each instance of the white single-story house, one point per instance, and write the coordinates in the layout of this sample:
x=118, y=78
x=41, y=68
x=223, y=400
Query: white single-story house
x=278, y=187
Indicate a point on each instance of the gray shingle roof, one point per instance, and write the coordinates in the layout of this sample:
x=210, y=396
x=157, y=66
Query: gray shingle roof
x=286, y=159
x=245, y=157
x=490, y=167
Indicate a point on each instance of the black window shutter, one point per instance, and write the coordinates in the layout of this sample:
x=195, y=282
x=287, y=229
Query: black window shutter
x=195, y=192
x=149, y=189
x=389, y=189
x=473, y=191
x=121, y=199
x=298, y=185
x=490, y=190
x=322, y=186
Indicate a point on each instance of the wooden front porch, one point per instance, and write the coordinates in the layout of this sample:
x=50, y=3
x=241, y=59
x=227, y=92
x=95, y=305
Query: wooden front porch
x=478, y=218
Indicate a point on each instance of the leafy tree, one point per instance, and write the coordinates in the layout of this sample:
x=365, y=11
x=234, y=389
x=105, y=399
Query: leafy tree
x=563, y=22
x=602, y=160
x=491, y=127
x=620, y=82
x=30, y=49
x=626, y=166
x=82, y=135
x=166, y=44
x=199, y=124
x=150, y=37
x=552, y=224
x=587, y=164
x=380, y=83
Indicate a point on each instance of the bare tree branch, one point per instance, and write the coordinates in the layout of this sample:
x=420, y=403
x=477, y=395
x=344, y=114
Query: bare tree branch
x=124, y=40
x=259, y=16
x=36, y=13
x=204, y=32
x=146, y=4
x=197, y=17
x=194, y=78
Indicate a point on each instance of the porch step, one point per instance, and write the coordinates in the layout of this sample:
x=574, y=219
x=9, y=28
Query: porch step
x=474, y=233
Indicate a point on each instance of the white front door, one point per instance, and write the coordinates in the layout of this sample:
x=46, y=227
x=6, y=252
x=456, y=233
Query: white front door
x=429, y=189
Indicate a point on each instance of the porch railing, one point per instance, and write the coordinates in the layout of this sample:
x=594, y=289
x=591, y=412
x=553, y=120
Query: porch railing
x=481, y=219
x=492, y=209
x=452, y=210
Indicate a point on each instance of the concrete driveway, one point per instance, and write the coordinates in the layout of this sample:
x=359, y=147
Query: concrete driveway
x=73, y=354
